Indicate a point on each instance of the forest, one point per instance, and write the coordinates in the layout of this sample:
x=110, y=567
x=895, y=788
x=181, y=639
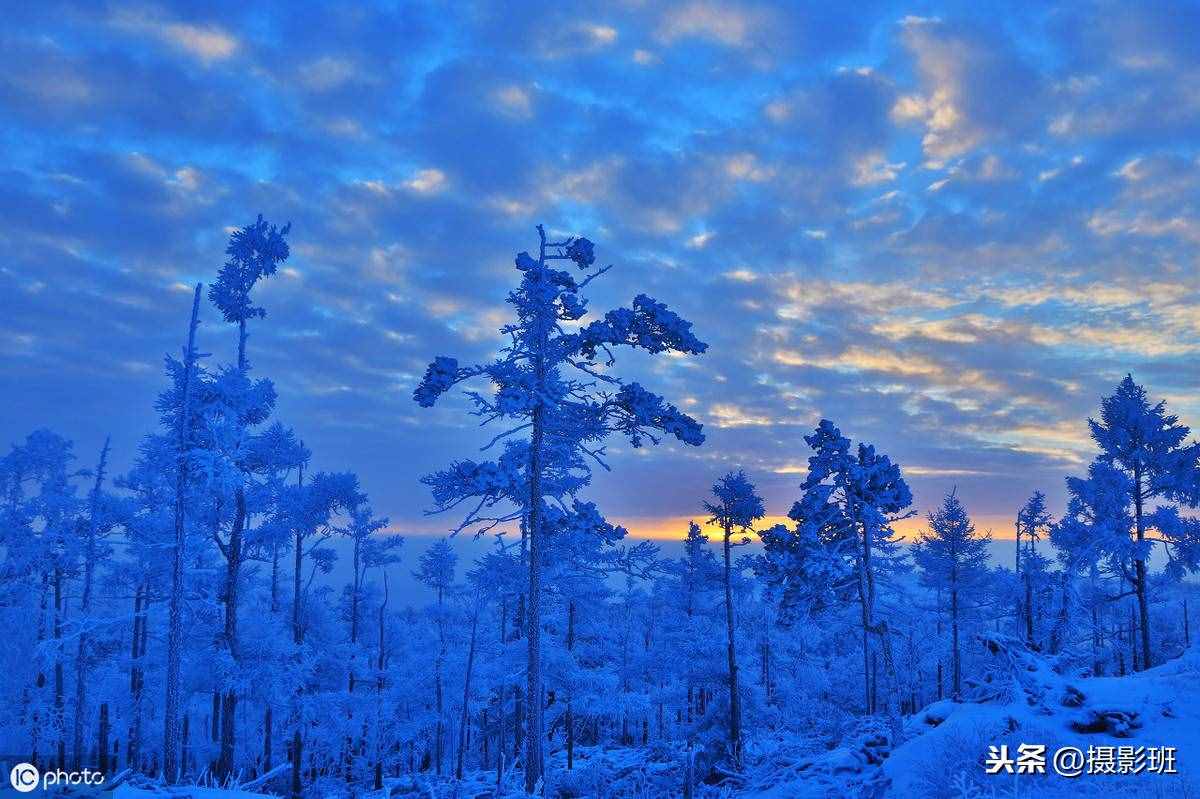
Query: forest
x=178, y=626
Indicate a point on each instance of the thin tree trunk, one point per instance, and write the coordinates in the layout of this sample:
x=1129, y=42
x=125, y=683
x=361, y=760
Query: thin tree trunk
x=380, y=665
x=225, y=766
x=956, y=671
x=298, y=637
x=58, y=667
x=462, y=726
x=533, y=693
x=275, y=578
x=175, y=612
x=735, y=704
x=866, y=602
x=1187, y=630
x=267, y=739
x=1133, y=652
x=354, y=589
x=216, y=715
x=297, y=568
x=441, y=657
x=1140, y=567
x=102, y=740
x=500, y=714
x=233, y=563
x=297, y=756
x=570, y=716
x=85, y=607
x=1017, y=571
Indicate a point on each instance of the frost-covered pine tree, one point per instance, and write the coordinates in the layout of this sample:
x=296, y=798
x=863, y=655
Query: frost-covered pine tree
x=40, y=552
x=1097, y=516
x=953, y=558
x=1147, y=444
x=255, y=253
x=1033, y=523
x=850, y=499
x=551, y=382
x=436, y=571
x=735, y=509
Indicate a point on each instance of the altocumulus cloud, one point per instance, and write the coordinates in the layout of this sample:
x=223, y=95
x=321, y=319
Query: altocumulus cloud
x=948, y=237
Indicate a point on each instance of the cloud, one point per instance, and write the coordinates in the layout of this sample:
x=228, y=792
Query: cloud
x=206, y=42
x=721, y=23
x=765, y=170
x=975, y=88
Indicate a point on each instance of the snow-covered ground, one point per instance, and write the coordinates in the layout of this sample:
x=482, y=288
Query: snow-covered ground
x=1021, y=701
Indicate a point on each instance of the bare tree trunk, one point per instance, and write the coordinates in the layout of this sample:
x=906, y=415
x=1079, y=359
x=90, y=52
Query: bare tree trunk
x=437, y=682
x=956, y=671
x=1017, y=571
x=275, y=578
x=1133, y=652
x=216, y=715
x=1187, y=629
x=175, y=613
x=185, y=753
x=85, y=607
x=354, y=591
x=102, y=740
x=297, y=568
x=298, y=637
x=462, y=725
x=570, y=715
x=40, y=680
x=735, y=703
x=866, y=600
x=1140, y=571
x=297, y=756
x=225, y=766
x=267, y=739
x=380, y=665
x=500, y=714
x=58, y=667
x=142, y=632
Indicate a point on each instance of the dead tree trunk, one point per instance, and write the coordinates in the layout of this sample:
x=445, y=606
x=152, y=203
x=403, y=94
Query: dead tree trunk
x=102, y=740
x=462, y=725
x=85, y=607
x=171, y=766
x=58, y=667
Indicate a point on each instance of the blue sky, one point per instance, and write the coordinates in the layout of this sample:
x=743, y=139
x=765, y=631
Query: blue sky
x=948, y=227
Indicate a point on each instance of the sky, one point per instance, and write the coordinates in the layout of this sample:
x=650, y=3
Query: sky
x=950, y=228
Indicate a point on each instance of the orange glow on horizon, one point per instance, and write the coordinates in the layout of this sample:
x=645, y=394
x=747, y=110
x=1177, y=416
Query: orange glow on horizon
x=674, y=528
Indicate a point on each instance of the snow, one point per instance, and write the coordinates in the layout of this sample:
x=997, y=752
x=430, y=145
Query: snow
x=949, y=739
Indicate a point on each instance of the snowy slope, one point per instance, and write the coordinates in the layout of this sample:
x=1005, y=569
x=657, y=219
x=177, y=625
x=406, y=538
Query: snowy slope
x=1156, y=708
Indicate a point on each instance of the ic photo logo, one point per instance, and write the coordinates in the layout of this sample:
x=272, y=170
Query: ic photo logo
x=24, y=777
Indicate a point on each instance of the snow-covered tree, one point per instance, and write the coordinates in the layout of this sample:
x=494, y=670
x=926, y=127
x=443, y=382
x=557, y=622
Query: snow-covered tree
x=1033, y=524
x=735, y=508
x=255, y=253
x=550, y=382
x=952, y=558
x=849, y=500
x=436, y=571
x=1148, y=445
